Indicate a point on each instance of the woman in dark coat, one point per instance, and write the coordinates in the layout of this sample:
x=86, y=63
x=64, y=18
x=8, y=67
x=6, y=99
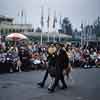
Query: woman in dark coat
x=51, y=63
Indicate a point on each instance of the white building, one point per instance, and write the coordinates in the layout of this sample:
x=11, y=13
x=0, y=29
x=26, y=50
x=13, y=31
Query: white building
x=7, y=26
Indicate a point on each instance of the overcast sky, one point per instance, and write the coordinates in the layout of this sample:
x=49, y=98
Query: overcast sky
x=78, y=11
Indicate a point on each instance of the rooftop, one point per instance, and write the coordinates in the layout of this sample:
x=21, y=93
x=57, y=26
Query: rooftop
x=4, y=18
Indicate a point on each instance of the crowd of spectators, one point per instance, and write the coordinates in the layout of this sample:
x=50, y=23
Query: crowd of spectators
x=24, y=57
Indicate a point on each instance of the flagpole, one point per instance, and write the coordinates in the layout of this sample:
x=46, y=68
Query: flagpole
x=59, y=36
x=60, y=26
x=22, y=17
x=41, y=38
x=54, y=25
x=81, y=35
x=54, y=35
x=25, y=18
x=42, y=24
x=48, y=20
x=48, y=34
x=54, y=28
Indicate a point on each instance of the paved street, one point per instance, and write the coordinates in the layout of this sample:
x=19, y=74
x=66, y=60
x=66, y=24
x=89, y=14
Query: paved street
x=23, y=86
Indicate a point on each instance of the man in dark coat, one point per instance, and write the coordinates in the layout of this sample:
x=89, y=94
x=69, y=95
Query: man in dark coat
x=62, y=61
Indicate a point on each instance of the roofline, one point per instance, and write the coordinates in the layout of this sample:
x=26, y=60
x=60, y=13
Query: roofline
x=5, y=17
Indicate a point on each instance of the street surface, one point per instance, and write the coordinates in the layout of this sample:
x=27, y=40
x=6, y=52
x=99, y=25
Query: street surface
x=23, y=86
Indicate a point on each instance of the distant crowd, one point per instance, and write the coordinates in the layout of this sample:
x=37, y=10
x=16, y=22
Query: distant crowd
x=24, y=57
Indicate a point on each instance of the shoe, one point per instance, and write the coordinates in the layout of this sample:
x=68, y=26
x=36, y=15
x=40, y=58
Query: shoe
x=63, y=87
x=50, y=90
x=40, y=84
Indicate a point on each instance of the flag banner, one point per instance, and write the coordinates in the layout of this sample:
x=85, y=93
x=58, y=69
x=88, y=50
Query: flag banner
x=22, y=13
x=60, y=21
x=54, y=21
x=81, y=26
x=48, y=19
x=42, y=22
x=42, y=17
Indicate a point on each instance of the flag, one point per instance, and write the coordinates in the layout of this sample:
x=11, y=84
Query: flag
x=42, y=22
x=42, y=17
x=60, y=21
x=54, y=20
x=82, y=26
x=48, y=19
x=22, y=13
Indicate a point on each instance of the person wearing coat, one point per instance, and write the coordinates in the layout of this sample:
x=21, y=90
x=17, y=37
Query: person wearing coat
x=51, y=63
x=62, y=62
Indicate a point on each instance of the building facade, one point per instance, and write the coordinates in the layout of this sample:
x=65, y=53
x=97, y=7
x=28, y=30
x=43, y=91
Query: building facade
x=7, y=26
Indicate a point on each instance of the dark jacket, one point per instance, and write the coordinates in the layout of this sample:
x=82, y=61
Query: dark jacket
x=62, y=58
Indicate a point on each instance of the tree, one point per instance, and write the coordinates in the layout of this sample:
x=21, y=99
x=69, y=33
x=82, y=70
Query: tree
x=66, y=26
x=38, y=30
